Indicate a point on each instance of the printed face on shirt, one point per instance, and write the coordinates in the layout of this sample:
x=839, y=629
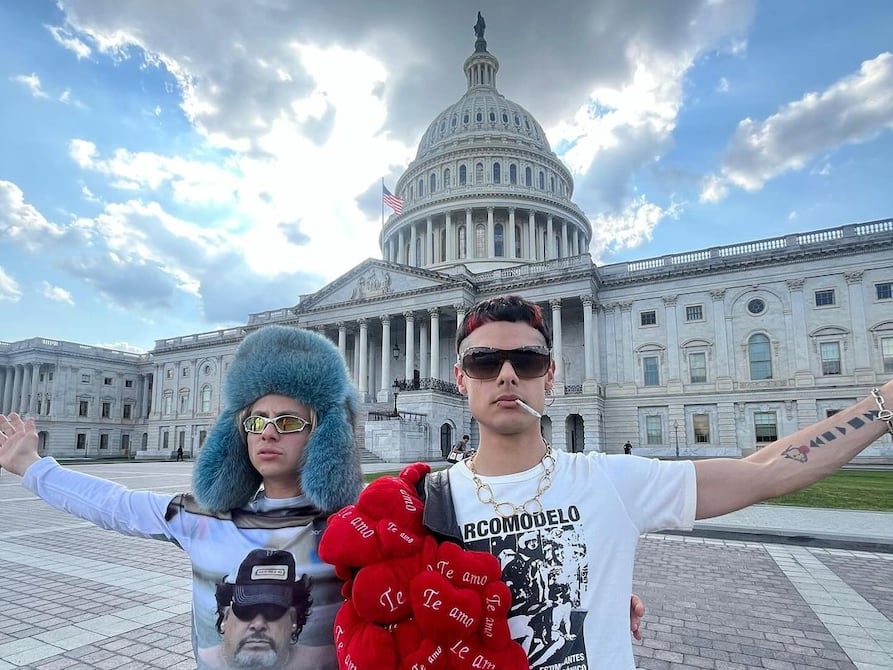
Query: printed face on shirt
x=257, y=642
x=277, y=456
x=492, y=401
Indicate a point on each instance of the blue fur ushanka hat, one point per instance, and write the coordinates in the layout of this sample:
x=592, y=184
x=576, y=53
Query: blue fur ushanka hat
x=301, y=365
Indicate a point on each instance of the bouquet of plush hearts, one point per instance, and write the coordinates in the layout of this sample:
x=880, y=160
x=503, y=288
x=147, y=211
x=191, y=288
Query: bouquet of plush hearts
x=413, y=603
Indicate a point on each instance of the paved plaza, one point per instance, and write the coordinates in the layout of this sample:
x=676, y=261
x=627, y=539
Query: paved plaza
x=74, y=596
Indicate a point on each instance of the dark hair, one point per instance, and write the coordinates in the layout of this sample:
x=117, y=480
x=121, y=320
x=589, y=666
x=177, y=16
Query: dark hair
x=503, y=308
x=466, y=437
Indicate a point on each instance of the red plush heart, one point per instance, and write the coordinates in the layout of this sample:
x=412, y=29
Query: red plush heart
x=394, y=541
x=443, y=612
x=393, y=499
x=381, y=592
x=413, y=473
x=467, y=569
x=370, y=647
x=407, y=636
x=350, y=539
x=470, y=655
x=494, y=632
x=427, y=656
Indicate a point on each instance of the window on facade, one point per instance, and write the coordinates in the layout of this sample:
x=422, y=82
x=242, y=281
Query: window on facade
x=128, y=411
x=528, y=179
x=461, y=249
x=165, y=440
x=128, y=383
x=106, y=410
x=652, y=373
x=463, y=175
x=83, y=406
x=202, y=436
x=40, y=376
x=831, y=412
x=421, y=187
x=85, y=379
x=513, y=174
x=181, y=439
x=653, y=430
x=442, y=240
x=830, y=352
x=104, y=441
x=480, y=241
x=39, y=405
x=648, y=318
x=168, y=403
x=432, y=184
x=552, y=184
x=694, y=313
x=81, y=441
x=169, y=373
x=697, y=367
x=758, y=353
x=517, y=241
x=887, y=353
x=824, y=298
x=756, y=306
x=542, y=181
x=884, y=290
x=479, y=173
x=765, y=427
x=418, y=252
x=498, y=240
x=446, y=178
x=700, y=424
x=107, y=381
x=125, y=442
x=206, y=399
x=184, y=402
x=48, y=406
x=497, y=173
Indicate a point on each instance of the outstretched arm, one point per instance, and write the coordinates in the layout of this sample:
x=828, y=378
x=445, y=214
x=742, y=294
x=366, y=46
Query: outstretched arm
x=791, y=463
x=18, y=444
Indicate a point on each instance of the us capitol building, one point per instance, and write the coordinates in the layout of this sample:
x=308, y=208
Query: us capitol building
x=711, y=352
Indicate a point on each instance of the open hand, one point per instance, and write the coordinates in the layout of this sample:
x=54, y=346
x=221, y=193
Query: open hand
x=18, y=443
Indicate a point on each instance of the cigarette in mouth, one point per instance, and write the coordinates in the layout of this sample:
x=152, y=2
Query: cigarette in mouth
x=527, y=408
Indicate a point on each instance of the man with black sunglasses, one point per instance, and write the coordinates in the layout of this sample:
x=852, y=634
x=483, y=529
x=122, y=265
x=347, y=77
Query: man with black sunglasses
x=565, y=526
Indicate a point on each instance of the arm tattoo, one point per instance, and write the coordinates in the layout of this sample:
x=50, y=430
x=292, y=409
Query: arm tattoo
x=800, y=453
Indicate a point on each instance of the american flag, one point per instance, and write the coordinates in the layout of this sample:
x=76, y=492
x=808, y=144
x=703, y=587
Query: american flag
x=391, y=200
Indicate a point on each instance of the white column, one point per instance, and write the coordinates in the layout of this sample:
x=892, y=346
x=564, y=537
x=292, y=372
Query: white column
x=410, y=345
x=719, y=332
x=423, y=348
x=460, y=313
x=342, y=340
x=672, y=336
x=491, y=239
x=564, y=251
x=588, y=338
x=435, y=343
x=798, y=323
x=557, y=350
x=26, y=388
x=531, y=236
x=510, y=252
x=857, y=319
x=35, y=380
x=469, y=235
x=626, y=341
x=362, y=381
x=412, y=246
x=549, y=251
x=15, y=406
x=450, y=238
x=385, y=353
x=429, y=243
x=401, y=250
x=144, y=399
x=5, y=388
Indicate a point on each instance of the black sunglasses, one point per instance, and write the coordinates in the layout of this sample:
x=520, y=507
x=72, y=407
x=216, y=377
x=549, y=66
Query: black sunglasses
x=267, y=611
x=485, y=362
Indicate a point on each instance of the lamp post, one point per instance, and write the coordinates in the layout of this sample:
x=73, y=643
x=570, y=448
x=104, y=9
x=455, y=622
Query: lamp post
x=396, y=387
x=676, y=434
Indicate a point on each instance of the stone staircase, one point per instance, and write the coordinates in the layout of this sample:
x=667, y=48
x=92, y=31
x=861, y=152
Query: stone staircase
x=367, y=456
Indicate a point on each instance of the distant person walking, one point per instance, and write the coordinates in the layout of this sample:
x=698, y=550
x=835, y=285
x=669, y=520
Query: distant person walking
x=627, y=448
x=179, y=453
x=459, y=450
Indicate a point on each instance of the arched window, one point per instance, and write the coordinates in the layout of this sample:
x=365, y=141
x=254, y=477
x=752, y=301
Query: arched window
x=759, y=355
x=411, y=191
x=556, y=245
x=432, y=183
x=446, y=178
x=517, y=241
x=479, y=173
x=552, y=184
x=513, y=174
x=463, y=175
x=499, y=248
x=528, y=181
x=206, y=398
x=442, y=236
x=480, y=241
x=542, y=183
x=422, y=186
x=497, y=173
x=492, y=117
x=461, y=249
x=418, y=252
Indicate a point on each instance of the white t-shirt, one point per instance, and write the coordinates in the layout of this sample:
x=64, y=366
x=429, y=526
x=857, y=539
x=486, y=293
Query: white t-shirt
x=570, y=567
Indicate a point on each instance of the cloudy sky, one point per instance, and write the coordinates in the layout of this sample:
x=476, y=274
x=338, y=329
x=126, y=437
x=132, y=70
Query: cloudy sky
x=168, y=167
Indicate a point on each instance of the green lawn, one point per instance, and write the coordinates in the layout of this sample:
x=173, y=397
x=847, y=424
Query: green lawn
x=847, y=489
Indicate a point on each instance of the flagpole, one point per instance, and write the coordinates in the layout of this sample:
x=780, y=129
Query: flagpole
x=382, y=203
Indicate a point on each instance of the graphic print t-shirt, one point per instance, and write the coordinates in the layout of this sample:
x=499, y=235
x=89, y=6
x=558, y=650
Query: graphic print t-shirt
x=570, y=566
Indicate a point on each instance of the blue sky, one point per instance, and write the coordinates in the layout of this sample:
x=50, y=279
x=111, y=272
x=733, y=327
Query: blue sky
x=168, y=167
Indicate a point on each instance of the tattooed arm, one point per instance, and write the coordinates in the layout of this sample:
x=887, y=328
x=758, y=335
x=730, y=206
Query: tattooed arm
x=791, y=463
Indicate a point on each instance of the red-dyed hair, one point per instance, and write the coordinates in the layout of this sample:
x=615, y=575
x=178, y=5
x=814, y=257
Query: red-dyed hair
x=503, y=308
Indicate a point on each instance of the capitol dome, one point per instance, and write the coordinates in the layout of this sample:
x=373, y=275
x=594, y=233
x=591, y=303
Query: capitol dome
x=485, y=190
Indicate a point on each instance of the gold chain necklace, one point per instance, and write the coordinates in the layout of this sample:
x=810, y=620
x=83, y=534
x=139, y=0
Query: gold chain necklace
x=506, y=509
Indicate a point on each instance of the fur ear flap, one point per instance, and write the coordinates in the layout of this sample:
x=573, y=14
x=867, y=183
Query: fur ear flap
x=331, y=475
x=224, y=478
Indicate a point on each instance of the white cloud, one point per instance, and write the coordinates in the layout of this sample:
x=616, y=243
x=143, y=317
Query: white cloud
x=853, y=109
x=32, y=83
x=21, y=222
x=9, y=287
x=122, y=346
x=67, y=41
x=629, y=228
x=56, y=293
x=722, y=86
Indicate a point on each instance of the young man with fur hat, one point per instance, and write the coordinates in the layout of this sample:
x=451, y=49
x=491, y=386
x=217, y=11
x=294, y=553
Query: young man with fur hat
x=279, y=459
x=565, y=526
